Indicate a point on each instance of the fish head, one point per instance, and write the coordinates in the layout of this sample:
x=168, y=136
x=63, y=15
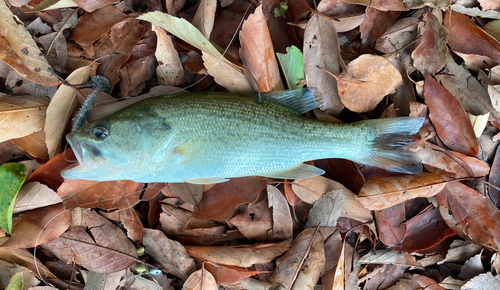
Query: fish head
x=112, y=148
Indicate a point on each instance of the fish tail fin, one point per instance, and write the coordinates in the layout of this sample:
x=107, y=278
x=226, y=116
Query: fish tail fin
x=388, y=147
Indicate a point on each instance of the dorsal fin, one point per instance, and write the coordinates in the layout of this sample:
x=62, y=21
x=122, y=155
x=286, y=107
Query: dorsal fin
x=299, y=100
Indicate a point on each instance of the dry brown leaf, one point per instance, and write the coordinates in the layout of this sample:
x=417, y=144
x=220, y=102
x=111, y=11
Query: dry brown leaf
x=466, y=88
x=34, y=195
x=311, y=270
x=24, y=258
x=226, y=75
x=401, y=33
x=443, y=162
x=385, y=191
x=174, y=220
x=171, y=255
x=390, y=257
x=346, y=22
x=224, y=274
x=91, y=26
x=255, y=222
x=429, y=57
x=240, y=256
x=322, y=50
x=21, y=52
x=21, y=116
x=257, y=53
x=200, y=280
x=466, y=37
x=327, y=209
x=34, y=145
x=105, y=195
x=219, y=201
x=111, y=251
x=205, y=17
x=369, y=78
x=376, y=24
x=169, y=71
x=472, y=216
x=39, y=226
x=132, y=223
x=190, y=193
x=312, y=189
x=282, y=218
x=60, y=110
x=449, y=118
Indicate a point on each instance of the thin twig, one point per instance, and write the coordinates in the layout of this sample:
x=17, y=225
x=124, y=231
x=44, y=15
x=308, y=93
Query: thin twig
x=304, y=256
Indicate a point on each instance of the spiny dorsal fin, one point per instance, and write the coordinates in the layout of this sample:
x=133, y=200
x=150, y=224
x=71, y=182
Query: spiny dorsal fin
x=299, y=100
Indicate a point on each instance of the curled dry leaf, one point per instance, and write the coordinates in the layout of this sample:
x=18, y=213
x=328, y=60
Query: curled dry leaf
x=368, y=80
x=24, y=258
x=240, y=256
x=322, y=50
x=60, y=110
x=443, y=162
x=311, y=270
x=429, y=57
x=111, y=251
x=226, y=75
x=200, y=280
x=169, y=71
x=21, y=116
x=171, y=255
x=472, y=216
x=385, y=191
x=205, y=17
x=282, y=218
x=449, y=118
x=20, y=51
x=257, y=53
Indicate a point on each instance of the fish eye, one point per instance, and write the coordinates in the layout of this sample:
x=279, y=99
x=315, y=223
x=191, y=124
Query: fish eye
x=100, y=132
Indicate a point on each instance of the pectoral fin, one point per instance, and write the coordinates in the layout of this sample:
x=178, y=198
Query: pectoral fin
x=210, y=180
x=300, y=171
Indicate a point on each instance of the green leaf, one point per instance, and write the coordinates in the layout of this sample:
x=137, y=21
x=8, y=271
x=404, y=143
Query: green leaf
x=12, y=176
x=16, y=282
x=292, y=64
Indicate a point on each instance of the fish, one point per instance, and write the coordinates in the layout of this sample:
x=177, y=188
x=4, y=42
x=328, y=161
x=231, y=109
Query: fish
x=209, y=137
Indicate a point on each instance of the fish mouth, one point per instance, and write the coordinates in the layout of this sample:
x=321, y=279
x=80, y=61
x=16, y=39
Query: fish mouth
x=86, y=155
x=76, y=146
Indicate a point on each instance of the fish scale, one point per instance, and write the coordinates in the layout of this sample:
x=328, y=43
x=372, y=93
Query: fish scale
x=208, y=137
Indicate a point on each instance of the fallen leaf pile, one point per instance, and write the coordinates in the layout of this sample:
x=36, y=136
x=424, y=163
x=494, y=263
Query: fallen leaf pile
x=355, y=227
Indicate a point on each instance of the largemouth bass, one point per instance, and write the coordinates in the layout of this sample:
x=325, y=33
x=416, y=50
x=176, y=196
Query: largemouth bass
x=208, y=137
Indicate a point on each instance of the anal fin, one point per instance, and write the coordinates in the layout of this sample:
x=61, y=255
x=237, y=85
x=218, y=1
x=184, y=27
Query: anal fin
x=300, y=171
x=210, y=180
